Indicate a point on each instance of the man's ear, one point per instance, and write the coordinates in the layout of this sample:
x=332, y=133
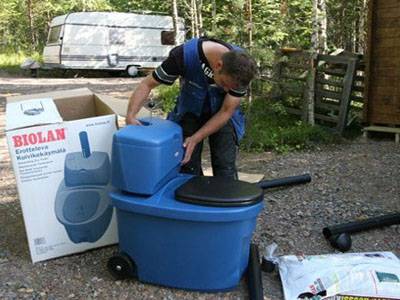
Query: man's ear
x=218, y=65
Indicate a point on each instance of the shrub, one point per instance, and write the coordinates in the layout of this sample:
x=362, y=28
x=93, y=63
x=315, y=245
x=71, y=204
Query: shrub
x=269, y=127
x=166, y=96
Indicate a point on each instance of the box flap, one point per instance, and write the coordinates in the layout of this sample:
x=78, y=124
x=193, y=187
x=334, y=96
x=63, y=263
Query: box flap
x=31, y=112
x=56, y=95
x=120, y=106
x=116, y=105
x=83, y=103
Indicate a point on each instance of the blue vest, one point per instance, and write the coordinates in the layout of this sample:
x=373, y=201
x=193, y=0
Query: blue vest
x=195, y=89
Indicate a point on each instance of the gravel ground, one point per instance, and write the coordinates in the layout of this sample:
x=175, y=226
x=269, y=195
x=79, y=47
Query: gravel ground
x=350, y=181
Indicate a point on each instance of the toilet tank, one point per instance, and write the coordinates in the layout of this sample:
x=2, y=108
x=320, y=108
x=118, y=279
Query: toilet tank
x=146, y=157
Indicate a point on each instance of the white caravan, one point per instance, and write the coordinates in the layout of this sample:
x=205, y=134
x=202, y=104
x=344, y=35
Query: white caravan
x=110, y=41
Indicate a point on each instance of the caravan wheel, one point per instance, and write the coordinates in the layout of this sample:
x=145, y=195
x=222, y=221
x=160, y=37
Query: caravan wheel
x=132, y=71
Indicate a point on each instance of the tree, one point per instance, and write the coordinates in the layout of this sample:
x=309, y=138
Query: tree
x=199, y=7
x=213, y=15
x=318, y=39
x=29, y=13
x=195, y=16
x=249, y=11
x=175, y=20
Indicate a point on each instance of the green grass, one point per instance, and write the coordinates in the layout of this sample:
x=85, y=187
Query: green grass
x=10, y=62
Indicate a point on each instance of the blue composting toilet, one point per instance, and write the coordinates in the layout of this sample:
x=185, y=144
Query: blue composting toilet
x=177, y=230
x=82, y=202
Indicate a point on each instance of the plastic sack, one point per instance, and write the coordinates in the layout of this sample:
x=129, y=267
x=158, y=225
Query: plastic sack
x=355, y=276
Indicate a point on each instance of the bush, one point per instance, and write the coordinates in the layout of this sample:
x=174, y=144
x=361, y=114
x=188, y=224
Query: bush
x=269, y=127
x=166, y=96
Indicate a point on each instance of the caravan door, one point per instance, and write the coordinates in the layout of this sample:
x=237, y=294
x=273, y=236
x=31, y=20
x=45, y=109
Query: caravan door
x=116, y=40
x=52, y=51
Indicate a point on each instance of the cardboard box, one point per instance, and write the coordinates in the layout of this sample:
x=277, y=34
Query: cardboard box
x=60, y=146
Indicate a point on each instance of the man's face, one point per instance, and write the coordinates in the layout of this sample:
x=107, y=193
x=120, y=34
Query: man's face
x=225, y=81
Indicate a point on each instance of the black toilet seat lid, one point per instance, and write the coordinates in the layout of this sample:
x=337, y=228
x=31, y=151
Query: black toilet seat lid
x=218, y=191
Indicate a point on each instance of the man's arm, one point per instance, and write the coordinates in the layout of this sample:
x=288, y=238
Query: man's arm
x=213, y=125
x=138, y=98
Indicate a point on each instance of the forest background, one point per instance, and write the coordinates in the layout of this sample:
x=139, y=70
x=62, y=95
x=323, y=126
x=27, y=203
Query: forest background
x=261, y=26
x=255, y=24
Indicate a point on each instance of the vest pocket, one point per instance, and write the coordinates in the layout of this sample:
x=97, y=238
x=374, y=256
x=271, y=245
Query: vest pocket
x=194, y=84
x=191, y=98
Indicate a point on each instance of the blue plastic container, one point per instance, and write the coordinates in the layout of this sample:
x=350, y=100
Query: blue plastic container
x=184, y=245
x=144, y=158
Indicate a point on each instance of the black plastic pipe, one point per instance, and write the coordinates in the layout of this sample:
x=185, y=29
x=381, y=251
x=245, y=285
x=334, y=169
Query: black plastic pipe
x=254, y=281
x=385, y=220
x=267, y=184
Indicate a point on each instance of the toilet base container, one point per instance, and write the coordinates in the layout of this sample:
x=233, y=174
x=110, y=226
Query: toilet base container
x=183, y=245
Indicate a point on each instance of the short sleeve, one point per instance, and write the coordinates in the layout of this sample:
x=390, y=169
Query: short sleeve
x=238, y=92
x=171, y=68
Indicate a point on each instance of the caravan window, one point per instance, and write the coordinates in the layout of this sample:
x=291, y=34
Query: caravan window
x=167, y=37
x=54, y=34
x=117, y=36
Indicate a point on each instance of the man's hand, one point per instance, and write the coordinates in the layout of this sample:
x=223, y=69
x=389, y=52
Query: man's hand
x=131, y=120
x=138, y=98
x=214, y=124
x=189, y=144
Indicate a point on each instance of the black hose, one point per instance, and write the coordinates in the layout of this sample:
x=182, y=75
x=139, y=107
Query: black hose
x=267, y=184
x=254, y=281
x=385, y=220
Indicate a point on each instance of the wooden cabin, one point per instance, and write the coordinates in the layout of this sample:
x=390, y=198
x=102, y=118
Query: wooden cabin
x=382, y=88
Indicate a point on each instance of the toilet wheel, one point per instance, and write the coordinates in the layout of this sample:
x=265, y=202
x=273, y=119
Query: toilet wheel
x=121, y=266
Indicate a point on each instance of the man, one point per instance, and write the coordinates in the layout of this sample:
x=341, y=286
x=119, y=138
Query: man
x=215, y=75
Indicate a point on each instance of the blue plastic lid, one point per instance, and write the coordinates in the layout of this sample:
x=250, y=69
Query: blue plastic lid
x=153, y=132
x=163, y=204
